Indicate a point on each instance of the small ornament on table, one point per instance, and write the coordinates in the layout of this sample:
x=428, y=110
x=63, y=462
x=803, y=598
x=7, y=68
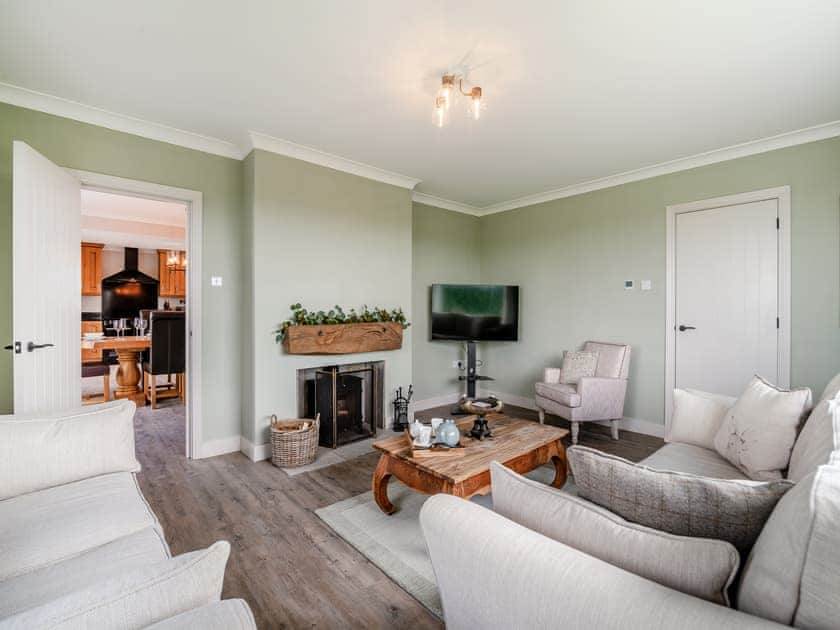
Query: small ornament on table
x=401, y=408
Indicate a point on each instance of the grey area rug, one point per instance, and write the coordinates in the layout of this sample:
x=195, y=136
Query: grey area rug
x=395, y=543
x=329, y=456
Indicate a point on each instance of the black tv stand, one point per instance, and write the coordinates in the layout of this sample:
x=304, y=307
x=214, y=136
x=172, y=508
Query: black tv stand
x=471, y=377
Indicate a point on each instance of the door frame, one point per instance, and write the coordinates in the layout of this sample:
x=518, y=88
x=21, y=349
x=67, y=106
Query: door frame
x=782, y=195
x=193, y=200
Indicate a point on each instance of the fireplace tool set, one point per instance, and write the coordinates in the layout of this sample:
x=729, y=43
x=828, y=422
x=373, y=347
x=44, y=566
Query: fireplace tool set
x=401, y=408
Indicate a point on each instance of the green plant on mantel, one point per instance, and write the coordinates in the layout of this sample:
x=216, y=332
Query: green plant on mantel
x=302, y=317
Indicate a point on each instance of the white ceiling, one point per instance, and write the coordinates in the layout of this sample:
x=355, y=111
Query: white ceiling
x=96, y=203
x=575, y=90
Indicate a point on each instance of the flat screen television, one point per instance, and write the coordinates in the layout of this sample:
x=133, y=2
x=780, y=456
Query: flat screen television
x=475, y=312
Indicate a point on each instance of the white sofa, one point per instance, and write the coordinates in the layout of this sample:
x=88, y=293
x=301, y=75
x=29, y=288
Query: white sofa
x=80, y=546
x=493, y=572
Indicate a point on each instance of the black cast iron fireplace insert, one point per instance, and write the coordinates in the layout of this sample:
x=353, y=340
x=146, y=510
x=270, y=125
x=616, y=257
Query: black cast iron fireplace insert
x=348, y=398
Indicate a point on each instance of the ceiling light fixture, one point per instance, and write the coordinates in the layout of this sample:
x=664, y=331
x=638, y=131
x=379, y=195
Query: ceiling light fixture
x=176, y=260
x=447, y=92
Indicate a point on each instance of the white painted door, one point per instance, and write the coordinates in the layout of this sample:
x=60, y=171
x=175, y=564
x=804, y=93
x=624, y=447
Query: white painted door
x=47, y=283
x=727, y=296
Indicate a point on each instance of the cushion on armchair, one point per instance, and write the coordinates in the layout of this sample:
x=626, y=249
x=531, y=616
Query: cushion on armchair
x=758, y=433
x=561, y=393
x=678, y=503
x=576, y=365
x=701, y=567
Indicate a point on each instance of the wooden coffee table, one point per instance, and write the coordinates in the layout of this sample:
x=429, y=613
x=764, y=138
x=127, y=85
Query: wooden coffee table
x=521, y=445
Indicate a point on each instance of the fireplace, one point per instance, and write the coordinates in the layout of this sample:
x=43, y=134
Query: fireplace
x=348, y=397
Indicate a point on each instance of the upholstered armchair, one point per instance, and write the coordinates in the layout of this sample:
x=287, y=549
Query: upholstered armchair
x=592, y=398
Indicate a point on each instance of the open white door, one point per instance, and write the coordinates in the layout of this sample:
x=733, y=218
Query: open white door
x=47, y=283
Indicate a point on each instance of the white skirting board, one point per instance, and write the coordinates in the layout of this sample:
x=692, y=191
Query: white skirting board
x=646, y=427
x=430, y=403
x=221, y=446
x=254, y=452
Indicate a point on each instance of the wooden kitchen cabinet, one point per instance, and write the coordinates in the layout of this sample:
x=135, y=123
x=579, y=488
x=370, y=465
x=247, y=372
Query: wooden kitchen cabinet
x=92, y=268
x=173, y=282
x=91, y=355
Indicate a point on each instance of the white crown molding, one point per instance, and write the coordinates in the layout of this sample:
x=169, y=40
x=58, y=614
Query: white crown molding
x=57, y=106
x=446, y=204
x=30, y=99
x=265, y=142
x=780, y=141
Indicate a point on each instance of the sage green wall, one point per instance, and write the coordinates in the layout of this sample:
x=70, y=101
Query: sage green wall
x=571, y=255
x=321, y=237
x=90, y=148
x=247, y=310
x=445, y=250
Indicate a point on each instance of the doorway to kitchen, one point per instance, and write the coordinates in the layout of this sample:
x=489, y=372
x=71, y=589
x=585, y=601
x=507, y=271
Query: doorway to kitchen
x=141, y=299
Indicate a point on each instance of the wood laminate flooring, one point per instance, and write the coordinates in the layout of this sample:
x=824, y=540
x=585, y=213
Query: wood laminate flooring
x=285, y=562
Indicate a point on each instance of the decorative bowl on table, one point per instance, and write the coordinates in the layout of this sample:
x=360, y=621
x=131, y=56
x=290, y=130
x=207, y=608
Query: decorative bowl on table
x=482, y=406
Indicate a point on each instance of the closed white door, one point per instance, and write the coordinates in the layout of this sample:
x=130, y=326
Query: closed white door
x=726, y=265
x=47, y=283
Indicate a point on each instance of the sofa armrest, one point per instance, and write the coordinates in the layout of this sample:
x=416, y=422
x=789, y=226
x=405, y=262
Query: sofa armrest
x=551, y=375
x=493, y=573
x=602, y=397
x=40, y=451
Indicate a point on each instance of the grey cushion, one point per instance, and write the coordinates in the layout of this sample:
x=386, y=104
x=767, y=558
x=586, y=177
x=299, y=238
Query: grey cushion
x=694, y=460
x=135, y=599
x=230, y=614
x=560, y=393
x=101, y=563
x=613, y=358
x=679, y=503
x=40, y=528
x=793, y=573
x=701, y=567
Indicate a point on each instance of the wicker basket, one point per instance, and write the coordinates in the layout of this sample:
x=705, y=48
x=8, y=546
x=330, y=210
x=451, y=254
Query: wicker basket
x=294, y=442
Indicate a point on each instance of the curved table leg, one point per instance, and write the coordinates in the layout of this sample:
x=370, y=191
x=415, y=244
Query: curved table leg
x=380, y=485
x=560, y=466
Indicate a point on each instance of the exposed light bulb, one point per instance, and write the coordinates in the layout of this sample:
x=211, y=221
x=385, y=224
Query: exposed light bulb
x=447, y=88
x=477, y=103
x=440, y=111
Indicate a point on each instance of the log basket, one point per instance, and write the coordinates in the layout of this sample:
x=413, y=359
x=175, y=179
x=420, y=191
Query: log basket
x=294, y=442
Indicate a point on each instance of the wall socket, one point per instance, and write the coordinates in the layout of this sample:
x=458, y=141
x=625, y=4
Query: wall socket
x=459, y=364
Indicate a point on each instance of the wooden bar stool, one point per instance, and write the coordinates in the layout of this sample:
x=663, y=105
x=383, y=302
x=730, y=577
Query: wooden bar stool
x=97, y=369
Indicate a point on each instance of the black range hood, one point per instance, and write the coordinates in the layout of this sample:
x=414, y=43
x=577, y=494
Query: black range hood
x=127, y=292
x=131, y=273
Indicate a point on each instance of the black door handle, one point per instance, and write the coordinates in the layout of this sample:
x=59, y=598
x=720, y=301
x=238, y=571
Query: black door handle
x=13, y=346
x=35, y=346
x=684, y=328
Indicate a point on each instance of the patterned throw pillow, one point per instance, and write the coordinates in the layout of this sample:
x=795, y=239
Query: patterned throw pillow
x=576, y=365
x=758, y=432
x=677, y=503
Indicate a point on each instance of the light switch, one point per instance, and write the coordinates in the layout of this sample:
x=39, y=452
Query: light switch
x=646, y=285
x=216, y=281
